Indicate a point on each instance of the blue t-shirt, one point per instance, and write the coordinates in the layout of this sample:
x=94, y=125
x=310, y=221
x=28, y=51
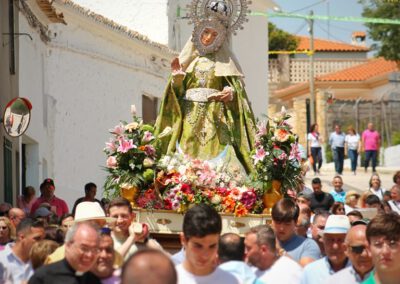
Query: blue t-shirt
x=298, y=247
x=339, y=196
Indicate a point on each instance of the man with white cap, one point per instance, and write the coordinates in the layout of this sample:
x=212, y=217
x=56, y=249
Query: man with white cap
x=333, y=238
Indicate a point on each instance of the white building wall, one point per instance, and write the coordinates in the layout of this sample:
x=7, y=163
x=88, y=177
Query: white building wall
x=81, y=84
x=148, y=17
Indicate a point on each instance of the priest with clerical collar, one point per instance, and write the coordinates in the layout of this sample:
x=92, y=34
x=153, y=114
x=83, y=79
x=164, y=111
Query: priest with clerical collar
x=81, y=252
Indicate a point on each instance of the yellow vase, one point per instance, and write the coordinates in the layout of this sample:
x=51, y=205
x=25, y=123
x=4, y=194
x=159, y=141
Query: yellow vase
x=272, y=196
x=130, y=192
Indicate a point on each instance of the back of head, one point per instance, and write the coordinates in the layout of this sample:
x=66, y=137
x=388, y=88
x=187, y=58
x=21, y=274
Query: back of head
x=40, y=250
x=384, y=225
x=149, y=266
x=200, y=221
x=231, y=247
x=320, y=213
x=265, y=236
x=372, y=199
x=285, y=210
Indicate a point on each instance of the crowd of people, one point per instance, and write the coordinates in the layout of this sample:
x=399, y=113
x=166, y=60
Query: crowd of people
x=318, y=237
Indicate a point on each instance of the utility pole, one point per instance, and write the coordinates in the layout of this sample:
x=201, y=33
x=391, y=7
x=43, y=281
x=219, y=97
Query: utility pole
x=311, y=73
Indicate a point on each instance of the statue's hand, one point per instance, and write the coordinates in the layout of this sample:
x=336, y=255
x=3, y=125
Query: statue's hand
x=226, y=95
x=177, y=73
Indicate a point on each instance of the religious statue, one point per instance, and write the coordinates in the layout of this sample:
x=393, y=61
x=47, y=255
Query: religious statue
x=205, y=102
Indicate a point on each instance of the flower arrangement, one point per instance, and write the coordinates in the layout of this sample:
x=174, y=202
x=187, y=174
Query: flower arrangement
x=131, y=156
x=277, y=156
x=182, y=182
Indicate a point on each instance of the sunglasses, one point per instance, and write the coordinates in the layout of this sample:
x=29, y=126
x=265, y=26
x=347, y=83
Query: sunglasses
x=357, y=249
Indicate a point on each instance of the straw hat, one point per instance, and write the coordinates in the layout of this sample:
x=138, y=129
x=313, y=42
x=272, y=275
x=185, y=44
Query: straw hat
x=87, y=211
x=352, y=193
x=336, y=224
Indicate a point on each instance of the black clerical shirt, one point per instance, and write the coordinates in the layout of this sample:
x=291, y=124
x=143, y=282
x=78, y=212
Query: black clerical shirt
x=61, y=272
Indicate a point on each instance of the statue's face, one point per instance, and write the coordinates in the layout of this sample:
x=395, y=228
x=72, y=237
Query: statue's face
x=208, y=36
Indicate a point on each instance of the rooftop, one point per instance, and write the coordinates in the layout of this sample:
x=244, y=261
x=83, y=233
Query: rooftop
x=323, y=45
x=362, y=72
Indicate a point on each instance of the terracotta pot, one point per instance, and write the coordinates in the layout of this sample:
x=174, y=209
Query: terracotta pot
x=272, y=196
x=130, y=192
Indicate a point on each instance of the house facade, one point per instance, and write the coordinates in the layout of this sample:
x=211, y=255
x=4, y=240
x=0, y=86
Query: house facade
x=81, y=73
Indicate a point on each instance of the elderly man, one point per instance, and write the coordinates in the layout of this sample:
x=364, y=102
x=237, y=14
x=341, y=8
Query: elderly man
x=333, y=238
x=383, y=235
x=359, y=255
x=15, y=265
x=81, y=252
x=149, y=266
x=338, y=193
x=261, y=252
x=16, y=215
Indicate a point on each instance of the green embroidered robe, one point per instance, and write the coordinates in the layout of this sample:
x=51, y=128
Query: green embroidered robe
x=205, y=129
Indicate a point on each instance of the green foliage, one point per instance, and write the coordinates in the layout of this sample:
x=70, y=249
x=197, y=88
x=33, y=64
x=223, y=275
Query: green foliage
x=388, y=35
x=280, y=40
x=328, y=153
x=396, y=138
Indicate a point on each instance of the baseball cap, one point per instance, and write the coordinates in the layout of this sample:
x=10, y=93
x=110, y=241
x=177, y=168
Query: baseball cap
x=42, y=212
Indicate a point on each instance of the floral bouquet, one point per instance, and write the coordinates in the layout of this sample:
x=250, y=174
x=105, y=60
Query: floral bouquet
x=131, y=156
x=277, y=156
x=182, y=182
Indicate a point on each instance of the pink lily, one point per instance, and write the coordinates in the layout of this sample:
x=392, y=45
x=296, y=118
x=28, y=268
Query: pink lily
x=125, y=145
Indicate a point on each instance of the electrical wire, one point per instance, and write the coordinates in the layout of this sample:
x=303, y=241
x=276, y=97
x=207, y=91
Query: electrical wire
x=339, y=40
x=309, y=6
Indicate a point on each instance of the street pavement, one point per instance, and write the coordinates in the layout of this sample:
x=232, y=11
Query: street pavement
x=358, y=182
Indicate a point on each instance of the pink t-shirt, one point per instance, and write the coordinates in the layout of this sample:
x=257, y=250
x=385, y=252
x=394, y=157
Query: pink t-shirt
x=57, y=204
x=371, y=139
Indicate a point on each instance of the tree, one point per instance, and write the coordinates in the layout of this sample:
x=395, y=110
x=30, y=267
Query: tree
x=387, y=35
x=279, y=40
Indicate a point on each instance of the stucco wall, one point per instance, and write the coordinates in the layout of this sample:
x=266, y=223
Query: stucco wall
x=81, y=84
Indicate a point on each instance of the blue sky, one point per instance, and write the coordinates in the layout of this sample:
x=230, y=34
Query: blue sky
x=338, y=31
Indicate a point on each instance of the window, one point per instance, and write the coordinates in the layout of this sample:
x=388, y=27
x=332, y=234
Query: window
x=149, y=108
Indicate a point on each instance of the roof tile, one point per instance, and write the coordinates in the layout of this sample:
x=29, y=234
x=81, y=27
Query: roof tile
x=328, y=45
x=375, y=67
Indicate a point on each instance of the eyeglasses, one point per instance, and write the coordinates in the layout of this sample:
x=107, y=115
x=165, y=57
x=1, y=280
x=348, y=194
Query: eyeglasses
x=357, y=249
x=86, y=250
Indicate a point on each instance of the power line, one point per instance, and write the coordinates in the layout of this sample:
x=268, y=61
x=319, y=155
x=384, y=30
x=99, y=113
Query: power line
x=320, y=26
x=309, y=6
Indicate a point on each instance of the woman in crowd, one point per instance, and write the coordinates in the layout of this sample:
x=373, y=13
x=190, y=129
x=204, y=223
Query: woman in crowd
x=27, y=198
x=395, y=202
x=7, y=232
x=315, y=147
x=338, y=208
x=352, y=147
x=375, y=186
x=351, y=201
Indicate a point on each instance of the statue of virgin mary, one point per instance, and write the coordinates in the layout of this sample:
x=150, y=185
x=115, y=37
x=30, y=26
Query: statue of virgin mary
x=205, y=102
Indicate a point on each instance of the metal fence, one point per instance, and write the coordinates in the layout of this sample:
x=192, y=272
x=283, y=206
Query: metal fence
x=384, y=114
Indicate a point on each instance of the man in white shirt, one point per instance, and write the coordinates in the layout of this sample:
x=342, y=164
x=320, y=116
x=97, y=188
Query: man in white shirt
x=261, y=252
x=202, y=227
x=15, y=265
